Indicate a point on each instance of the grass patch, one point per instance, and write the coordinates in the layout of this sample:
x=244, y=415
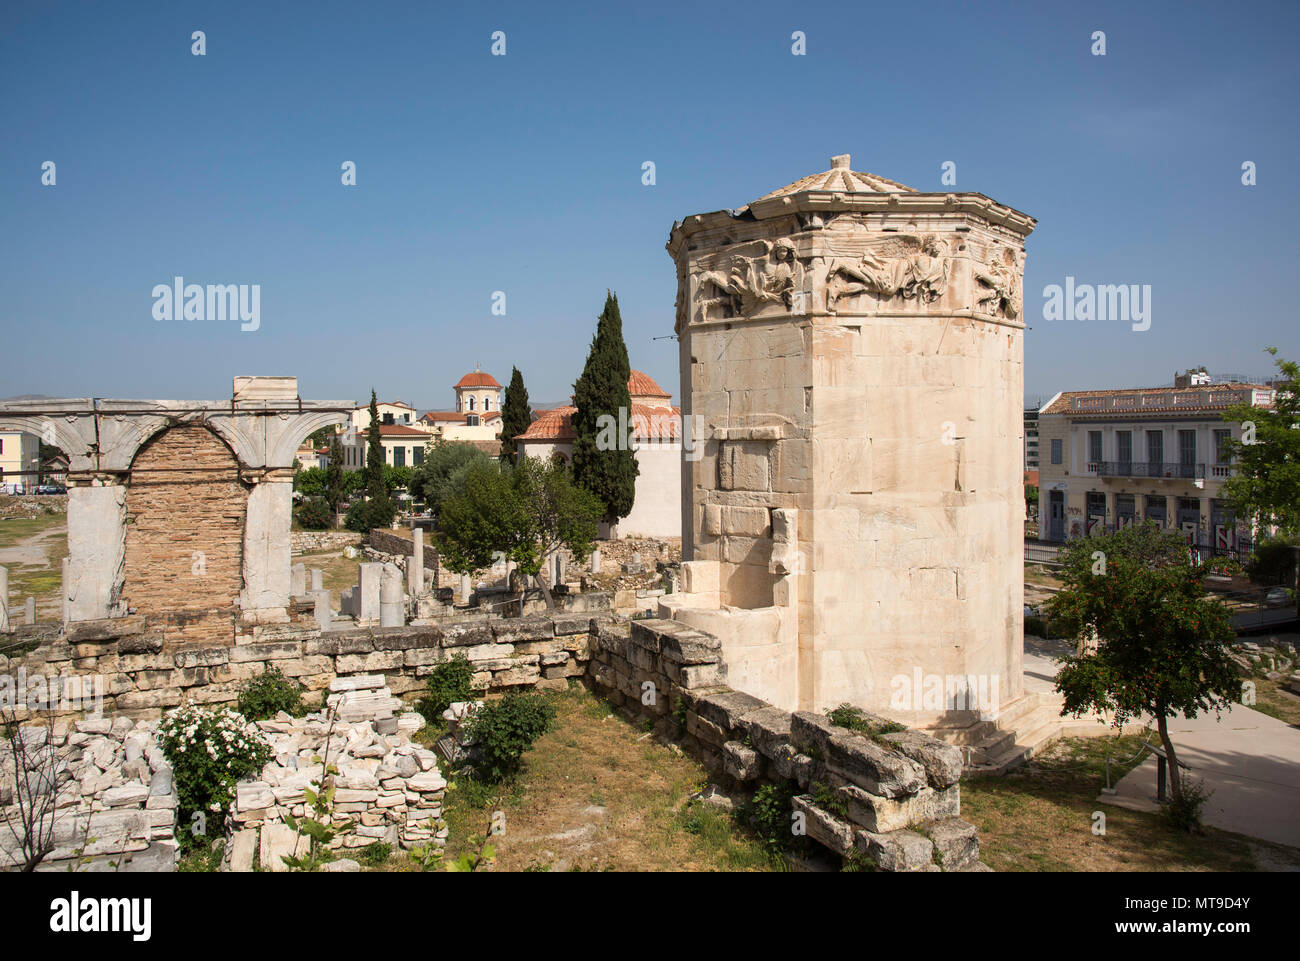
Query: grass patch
x=594, y=796
x=1040, y=818
x=1272, y=699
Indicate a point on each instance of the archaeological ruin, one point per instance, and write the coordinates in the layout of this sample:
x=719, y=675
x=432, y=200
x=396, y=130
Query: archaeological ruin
x=854, y=349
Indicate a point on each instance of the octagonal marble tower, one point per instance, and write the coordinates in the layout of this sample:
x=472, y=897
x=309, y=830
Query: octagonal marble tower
x=851, y=359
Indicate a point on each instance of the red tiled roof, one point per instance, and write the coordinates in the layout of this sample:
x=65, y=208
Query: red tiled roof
x=556, y=425
x=400, y=430
x=477, y=378
x=643, y=385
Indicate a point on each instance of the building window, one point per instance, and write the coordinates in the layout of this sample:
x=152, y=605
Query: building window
x=417, y=456
x=1124, y=448
x=471, y=403
x=471, y=420
x=399, y=456
x=1057, y=454
x=487, y=403
x=1094, y=446
x=1186, y=449
x=1221, y=438
x=1155, y=451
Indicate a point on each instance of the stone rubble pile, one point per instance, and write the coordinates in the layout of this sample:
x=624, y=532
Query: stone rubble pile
x=115, y=802
x=387, y=789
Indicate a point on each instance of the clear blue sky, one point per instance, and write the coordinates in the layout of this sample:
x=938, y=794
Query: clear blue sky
x=523, y=174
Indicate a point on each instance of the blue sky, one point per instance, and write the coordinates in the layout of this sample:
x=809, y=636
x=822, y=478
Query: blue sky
x=522, y=173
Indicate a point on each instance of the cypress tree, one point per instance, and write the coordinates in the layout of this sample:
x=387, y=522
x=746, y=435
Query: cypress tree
x=375, y=487
x=516, y=415
x=334, y=474
x=607, y=469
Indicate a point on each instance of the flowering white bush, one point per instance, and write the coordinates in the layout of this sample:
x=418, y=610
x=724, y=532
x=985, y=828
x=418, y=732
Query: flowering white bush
x=210, y=750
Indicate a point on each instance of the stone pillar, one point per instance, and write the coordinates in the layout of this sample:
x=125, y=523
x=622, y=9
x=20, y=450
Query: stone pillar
x=595, y=561
x=29, y=609
x=92, y=582
x=415, y=564
x=392, y=605
x=4, y=599
x=464, y=588
x=317, y=579
x=267, y=550
x=298, y=579
x=322, y=611
x=367, y=592
x=559, y=568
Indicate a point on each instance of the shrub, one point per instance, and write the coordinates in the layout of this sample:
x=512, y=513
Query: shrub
x=1273, y=561
x=1184, y=812
x=449, y=683
x=503, y=730
x=209, y=752
x=267, y=694
x=769, y=811
x=369, y=514
x=314, y=514
x=375, y=854
x=855, y=719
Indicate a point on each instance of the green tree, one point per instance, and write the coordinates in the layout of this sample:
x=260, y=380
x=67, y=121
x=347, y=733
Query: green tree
x=1161, y=644
x=377, y=510
x=310, y=482
x=444, y=469
x=516, y=415
x=1265, y=482
x=603, y=462
x=335, y=488
x=525, y=512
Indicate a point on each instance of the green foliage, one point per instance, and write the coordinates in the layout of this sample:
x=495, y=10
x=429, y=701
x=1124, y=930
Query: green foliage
x=1042, y=627
x=516, y=415
x=769, y=812
x=1183, y=812
x=501, y=731
x=427, y=857
x=1265, y=483
x=310, y=482
x=679, y=715
x=524, y=512
x=264, y=696
x=855, y=719
x=209, y=752
x=443, y=471
x=1274, y=561
x=367, y=515
x=398, y=477
x=314, y=514
x=375, y=854
x=1161, y=646
x=449, y=683
x=824, y=797
x=335, y=487
x=600, y=393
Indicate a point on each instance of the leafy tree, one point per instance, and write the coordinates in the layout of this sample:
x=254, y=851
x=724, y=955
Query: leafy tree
x=335, y=488
x=1265, y=484
x=1161, y=644
x=516, y=415
x=395, y=477
x=443, y=471
x=314, y=514
x=524, y=512
x=310, y=482
x=607, y=469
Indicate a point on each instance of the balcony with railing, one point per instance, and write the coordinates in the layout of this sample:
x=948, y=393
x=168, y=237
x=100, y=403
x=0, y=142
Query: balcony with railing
x=1153, y=469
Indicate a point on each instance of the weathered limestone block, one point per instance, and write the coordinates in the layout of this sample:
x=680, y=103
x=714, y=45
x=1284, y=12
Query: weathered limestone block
x=895, y=850
x=881, y=814
x=466, y=634
x=520, y=629
x=742, y=763
x=856, y=758
x=942, y=762
x=956, y=843
x=340, y=643
x=725, y=709
x=824, y=828
x=768, y=729
x=269, y=651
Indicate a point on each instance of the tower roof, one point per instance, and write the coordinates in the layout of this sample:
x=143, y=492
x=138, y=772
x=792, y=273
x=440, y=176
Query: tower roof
x=841, y=179
x=643, y=385
x=476, y=378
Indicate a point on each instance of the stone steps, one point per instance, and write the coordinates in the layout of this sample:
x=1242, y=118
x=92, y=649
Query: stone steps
x=1020, y=736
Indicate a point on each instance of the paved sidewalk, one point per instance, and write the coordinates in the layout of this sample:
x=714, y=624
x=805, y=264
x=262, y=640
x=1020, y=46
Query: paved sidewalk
x=1250, y=764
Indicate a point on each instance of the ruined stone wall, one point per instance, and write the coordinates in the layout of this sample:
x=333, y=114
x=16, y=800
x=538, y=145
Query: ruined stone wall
x=890, y=799
x=185, y=510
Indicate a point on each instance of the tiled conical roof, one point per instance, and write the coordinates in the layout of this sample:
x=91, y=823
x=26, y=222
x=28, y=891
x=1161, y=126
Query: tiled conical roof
x=841, y=179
